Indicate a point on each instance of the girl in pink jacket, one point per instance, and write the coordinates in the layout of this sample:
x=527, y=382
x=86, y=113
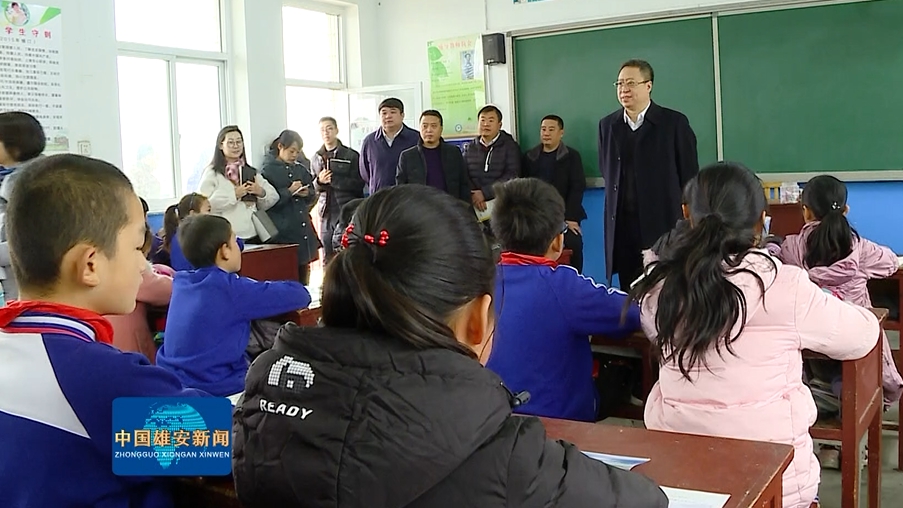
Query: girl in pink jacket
x=132, y=332
x=729, y=323
x=838, y=260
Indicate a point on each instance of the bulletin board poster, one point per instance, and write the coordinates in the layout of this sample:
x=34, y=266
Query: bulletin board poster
x=31, y=67
x=457, y=88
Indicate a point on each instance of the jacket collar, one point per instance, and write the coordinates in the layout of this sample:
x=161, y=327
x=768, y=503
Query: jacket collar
x=515, y=259
x=402, y=132
x=32, y=316
x=562, y=152
x=322, y=151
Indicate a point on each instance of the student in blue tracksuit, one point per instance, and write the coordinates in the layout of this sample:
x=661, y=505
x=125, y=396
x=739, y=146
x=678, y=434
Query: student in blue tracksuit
x=547, y=312
x=75, y=229
x=170, y=252
x=208, y=325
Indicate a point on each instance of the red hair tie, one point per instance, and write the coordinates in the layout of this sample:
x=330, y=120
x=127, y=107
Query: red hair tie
x=348, y=230
x=383, y=238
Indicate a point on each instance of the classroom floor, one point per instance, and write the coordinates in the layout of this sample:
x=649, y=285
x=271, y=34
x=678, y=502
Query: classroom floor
x=829, y=490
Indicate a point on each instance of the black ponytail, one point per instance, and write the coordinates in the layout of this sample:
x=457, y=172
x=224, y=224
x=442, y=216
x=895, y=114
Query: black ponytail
x=175, y=213
x=410, y=287
x=832, y=239
x=698, y=306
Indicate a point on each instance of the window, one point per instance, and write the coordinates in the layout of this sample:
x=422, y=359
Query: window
x=186, y=24
x=314, y=72
x=171, y=94
x=312, y=46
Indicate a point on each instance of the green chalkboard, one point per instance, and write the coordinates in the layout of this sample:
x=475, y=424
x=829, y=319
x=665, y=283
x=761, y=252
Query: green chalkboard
x=571, y=75
x=814, y=89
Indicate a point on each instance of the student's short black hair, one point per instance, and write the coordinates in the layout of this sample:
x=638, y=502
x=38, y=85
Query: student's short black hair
x=555, y=118
x=202, y=236
x=644, y=67
x=58, y=202
x=527, y=216
x=22, y=135
x=348, y=209
x=331, y=120
x=144, y=205
x=434, y=113
x=491, y=109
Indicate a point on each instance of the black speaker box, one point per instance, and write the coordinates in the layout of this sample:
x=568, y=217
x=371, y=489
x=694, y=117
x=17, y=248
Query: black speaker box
x=494, y=49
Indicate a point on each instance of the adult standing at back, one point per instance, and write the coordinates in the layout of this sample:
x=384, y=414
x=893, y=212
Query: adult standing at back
x=560, y=165
x=434, y=162
x=382, y=148
x=494, y=156
x=647, y=154
x=337, y=179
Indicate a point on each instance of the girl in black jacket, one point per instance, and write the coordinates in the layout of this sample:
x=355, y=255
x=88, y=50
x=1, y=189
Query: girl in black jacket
x=387, y=405
x=291, y=214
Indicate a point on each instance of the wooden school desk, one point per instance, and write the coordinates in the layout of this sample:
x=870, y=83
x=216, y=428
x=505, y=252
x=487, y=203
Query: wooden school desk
x=751, y=472
x=861, y=410
x=270, y=262
x=747, y=470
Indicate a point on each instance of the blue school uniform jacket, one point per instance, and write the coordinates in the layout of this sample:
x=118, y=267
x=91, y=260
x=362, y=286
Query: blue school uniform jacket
x=57, y=385
x=546, y=314
x=209, y=323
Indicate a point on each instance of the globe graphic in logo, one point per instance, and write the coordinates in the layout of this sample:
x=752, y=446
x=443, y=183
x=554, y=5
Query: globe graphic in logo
x=174, y=418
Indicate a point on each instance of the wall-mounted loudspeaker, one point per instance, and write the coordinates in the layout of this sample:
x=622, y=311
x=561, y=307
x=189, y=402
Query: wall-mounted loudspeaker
x=493, y=49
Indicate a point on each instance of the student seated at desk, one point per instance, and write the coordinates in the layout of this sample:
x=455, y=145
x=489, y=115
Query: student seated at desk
x=76, y=257
x=132, y=331
x=387, y=405
x=729, y=323
x=839, y=260
x=170, y=252
x=547, y=312
x=208, y=325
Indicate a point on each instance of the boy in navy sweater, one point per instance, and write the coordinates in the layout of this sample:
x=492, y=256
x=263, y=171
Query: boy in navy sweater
x=547, y=312
x=208, y=325
x=76, y=230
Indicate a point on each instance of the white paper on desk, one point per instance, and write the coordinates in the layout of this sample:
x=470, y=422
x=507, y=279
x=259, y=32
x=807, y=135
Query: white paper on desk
x=249, y=247
x=486, y=214
x=681, y=498
x=618, y=461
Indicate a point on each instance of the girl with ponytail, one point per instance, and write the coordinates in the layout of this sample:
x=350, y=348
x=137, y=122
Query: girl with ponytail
x=390, y=391
x=841, y=262
x=729, y=322
x=170, y=252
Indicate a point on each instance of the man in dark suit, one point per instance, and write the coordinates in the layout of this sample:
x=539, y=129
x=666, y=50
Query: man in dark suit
x=561, y=166
x=434, y=162
x=647, y=154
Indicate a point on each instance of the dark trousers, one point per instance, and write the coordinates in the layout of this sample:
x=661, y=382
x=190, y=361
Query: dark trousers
x=304, y=274
x=328, y=224
x=574, y=243
x=627, y=259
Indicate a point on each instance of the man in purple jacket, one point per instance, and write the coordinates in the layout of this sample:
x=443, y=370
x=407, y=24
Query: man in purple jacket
x=382, y=148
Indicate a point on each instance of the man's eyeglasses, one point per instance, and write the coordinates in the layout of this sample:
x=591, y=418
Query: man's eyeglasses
x=631, y=84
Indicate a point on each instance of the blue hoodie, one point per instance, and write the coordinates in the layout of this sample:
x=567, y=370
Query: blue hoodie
x=209, y=324
x=546, y=314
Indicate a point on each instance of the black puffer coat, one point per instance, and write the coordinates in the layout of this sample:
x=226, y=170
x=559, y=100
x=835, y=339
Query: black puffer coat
x=344, y=419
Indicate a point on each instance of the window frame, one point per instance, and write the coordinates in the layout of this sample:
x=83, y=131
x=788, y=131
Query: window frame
x=222, y=60
x=339, y=12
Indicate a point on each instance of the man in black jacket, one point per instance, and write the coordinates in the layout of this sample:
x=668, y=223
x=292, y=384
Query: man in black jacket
x=434, y=162
x=647, y=154
x=561, y=166
x=492, y=157
x=337, y=180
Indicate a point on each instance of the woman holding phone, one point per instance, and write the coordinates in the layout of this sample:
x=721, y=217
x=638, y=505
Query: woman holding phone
x=291, y=213
x=235, y=189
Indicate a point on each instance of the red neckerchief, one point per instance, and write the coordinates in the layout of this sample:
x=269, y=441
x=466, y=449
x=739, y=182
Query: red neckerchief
x=103, y=330
x=513, y=258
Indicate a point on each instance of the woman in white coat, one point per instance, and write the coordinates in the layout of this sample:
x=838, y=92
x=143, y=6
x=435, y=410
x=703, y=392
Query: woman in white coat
x=235, y=189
